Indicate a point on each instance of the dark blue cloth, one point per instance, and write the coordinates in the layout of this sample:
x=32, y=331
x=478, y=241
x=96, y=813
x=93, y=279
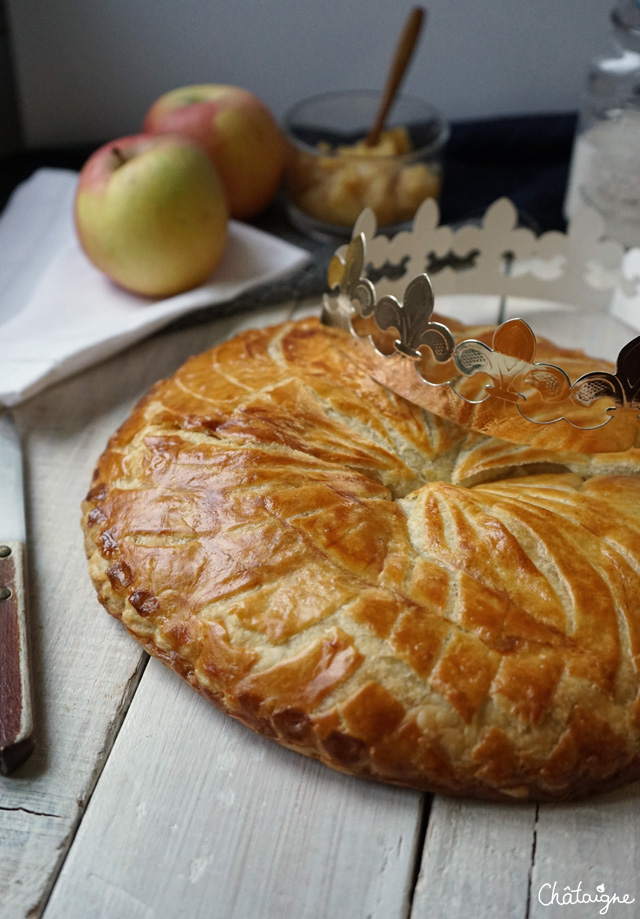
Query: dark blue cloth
x=526, y=159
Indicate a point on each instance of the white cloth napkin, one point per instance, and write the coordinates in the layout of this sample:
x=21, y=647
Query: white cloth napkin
x=58, y=314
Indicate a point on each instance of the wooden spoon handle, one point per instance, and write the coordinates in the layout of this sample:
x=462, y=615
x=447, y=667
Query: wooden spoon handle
x=401, y=59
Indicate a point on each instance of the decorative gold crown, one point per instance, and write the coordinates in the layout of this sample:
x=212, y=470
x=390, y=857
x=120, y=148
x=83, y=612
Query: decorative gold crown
x=505, y=388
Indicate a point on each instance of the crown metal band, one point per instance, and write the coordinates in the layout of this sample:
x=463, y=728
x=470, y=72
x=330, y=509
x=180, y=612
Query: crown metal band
x=506, y=391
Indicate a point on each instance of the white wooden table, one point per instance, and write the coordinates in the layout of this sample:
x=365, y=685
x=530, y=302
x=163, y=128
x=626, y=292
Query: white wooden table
x=143, y=801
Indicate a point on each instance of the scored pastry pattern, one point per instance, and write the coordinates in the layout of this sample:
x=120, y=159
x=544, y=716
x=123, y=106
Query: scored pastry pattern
x=369, y=584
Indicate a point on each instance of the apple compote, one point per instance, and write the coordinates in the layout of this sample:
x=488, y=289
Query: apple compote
x=334, y=184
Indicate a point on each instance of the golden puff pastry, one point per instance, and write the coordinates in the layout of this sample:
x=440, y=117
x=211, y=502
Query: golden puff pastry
x=371, y=585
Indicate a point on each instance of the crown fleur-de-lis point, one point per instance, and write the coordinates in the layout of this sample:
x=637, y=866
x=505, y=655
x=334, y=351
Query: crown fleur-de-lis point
x=412, y=320
x=511, y=355
x=510, y=365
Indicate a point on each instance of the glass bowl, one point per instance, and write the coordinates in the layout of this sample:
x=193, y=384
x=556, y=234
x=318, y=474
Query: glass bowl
x=332, y=176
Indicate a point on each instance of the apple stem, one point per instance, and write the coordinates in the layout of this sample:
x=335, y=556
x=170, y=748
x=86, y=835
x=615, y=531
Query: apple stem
x=119, y=155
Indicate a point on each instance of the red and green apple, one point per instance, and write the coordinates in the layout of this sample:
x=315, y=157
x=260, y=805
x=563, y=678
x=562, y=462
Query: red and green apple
x=150, y=213
x=238, y=132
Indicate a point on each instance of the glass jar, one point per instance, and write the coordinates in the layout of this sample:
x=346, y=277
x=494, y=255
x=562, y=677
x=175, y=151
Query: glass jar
x=605, y=167
x=332, y=175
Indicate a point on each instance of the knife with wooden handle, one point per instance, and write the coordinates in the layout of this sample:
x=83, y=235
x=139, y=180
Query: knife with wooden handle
x=16, y=710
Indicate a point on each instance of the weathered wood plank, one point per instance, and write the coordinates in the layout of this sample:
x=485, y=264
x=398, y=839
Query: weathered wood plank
x=476, y=861
x=581, y=847
x=85, y=667
x=196, y=816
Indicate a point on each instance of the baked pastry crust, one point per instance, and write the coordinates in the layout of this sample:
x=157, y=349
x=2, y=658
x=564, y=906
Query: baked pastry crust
x=371, y=585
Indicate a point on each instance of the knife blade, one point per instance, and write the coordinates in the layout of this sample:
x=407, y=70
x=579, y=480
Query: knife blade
x=16, y=708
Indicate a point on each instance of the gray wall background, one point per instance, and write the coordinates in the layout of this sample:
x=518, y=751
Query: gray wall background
x=88, y=70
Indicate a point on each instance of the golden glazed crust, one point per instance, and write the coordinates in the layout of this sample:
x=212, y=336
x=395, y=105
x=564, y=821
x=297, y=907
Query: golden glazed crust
x=371, y=585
